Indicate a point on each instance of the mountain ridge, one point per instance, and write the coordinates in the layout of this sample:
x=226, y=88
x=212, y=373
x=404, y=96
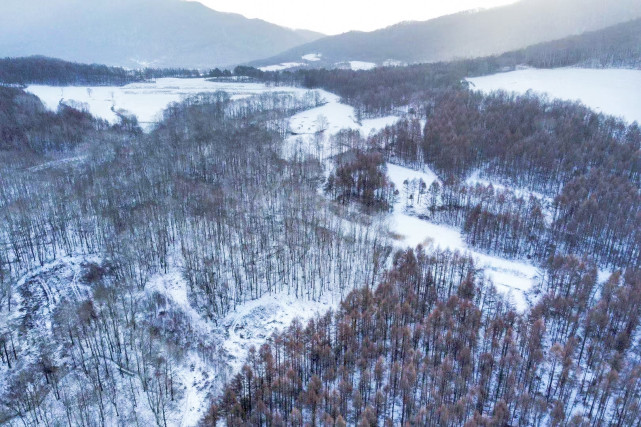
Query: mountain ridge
x=466, y=34
x=161, y=33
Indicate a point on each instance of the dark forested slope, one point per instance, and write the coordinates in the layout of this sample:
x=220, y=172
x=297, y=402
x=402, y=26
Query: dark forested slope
x=433, y=344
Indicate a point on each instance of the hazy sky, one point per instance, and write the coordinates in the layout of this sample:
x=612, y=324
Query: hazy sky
x=338, y=16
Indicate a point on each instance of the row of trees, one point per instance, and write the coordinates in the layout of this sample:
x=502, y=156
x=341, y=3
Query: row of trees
x=434, y=344
x=56, y=72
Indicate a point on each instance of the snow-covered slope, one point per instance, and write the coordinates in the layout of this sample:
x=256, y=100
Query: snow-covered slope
x=610, y=91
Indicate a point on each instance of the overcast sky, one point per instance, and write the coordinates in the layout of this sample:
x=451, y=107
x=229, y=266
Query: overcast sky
x=339, y=16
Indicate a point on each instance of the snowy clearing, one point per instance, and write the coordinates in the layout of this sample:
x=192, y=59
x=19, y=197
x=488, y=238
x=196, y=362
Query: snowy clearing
x=145, y=100
x=394, y=63
x=610, y=91
x=311, y=129
x=252, y=323
x=280, y=67
x=513, y=278
x=361, y=65
x=313, y=57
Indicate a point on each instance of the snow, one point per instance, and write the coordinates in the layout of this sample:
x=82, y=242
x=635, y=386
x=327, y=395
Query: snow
x=252, y=323
x=249, y=324
x=328, y=120
x=610, y=91
x=281, y=67
x=145, y=100
x=512, y=277
x=173, y=286
x=312, y=57
x=376, y=125
x=361, y=65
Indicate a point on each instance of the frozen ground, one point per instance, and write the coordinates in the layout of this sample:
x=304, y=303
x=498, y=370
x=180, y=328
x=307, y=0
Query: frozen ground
x=610, y=91
x=145, y=100
x=249, y=324
x=252, y=323
x=311, y=130
x=313, y=57
x=361, y=65
x=280, y=67
x=513, y=278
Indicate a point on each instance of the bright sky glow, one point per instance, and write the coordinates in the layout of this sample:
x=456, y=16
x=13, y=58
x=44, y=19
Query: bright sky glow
x=339, y=16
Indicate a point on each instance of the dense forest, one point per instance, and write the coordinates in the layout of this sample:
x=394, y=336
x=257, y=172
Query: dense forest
x=433, y=344
x=584, y=169
x=56, y=72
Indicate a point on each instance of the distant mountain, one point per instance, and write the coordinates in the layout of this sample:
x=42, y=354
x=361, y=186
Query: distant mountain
x=135, y=33
x=467, y=34
x=616, y=46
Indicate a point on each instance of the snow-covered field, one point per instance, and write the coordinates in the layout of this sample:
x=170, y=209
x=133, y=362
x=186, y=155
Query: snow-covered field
x=361, y=65
x=252, y=323
x=313, y=57
x=280, y=67
x=145, y=100
x=610, y=91
x=326, y=121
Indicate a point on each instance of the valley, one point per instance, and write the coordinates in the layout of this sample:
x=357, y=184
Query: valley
x=214, y=220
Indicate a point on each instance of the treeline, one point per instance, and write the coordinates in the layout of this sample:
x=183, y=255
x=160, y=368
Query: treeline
x=56, y=72
x=433, y=344
x=585, y=166
x=27, y=126
x=381, y=90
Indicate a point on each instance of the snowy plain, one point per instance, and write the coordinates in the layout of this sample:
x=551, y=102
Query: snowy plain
x=280, y=67
x=361, y=65
x=609, y=91
x=145, y=100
